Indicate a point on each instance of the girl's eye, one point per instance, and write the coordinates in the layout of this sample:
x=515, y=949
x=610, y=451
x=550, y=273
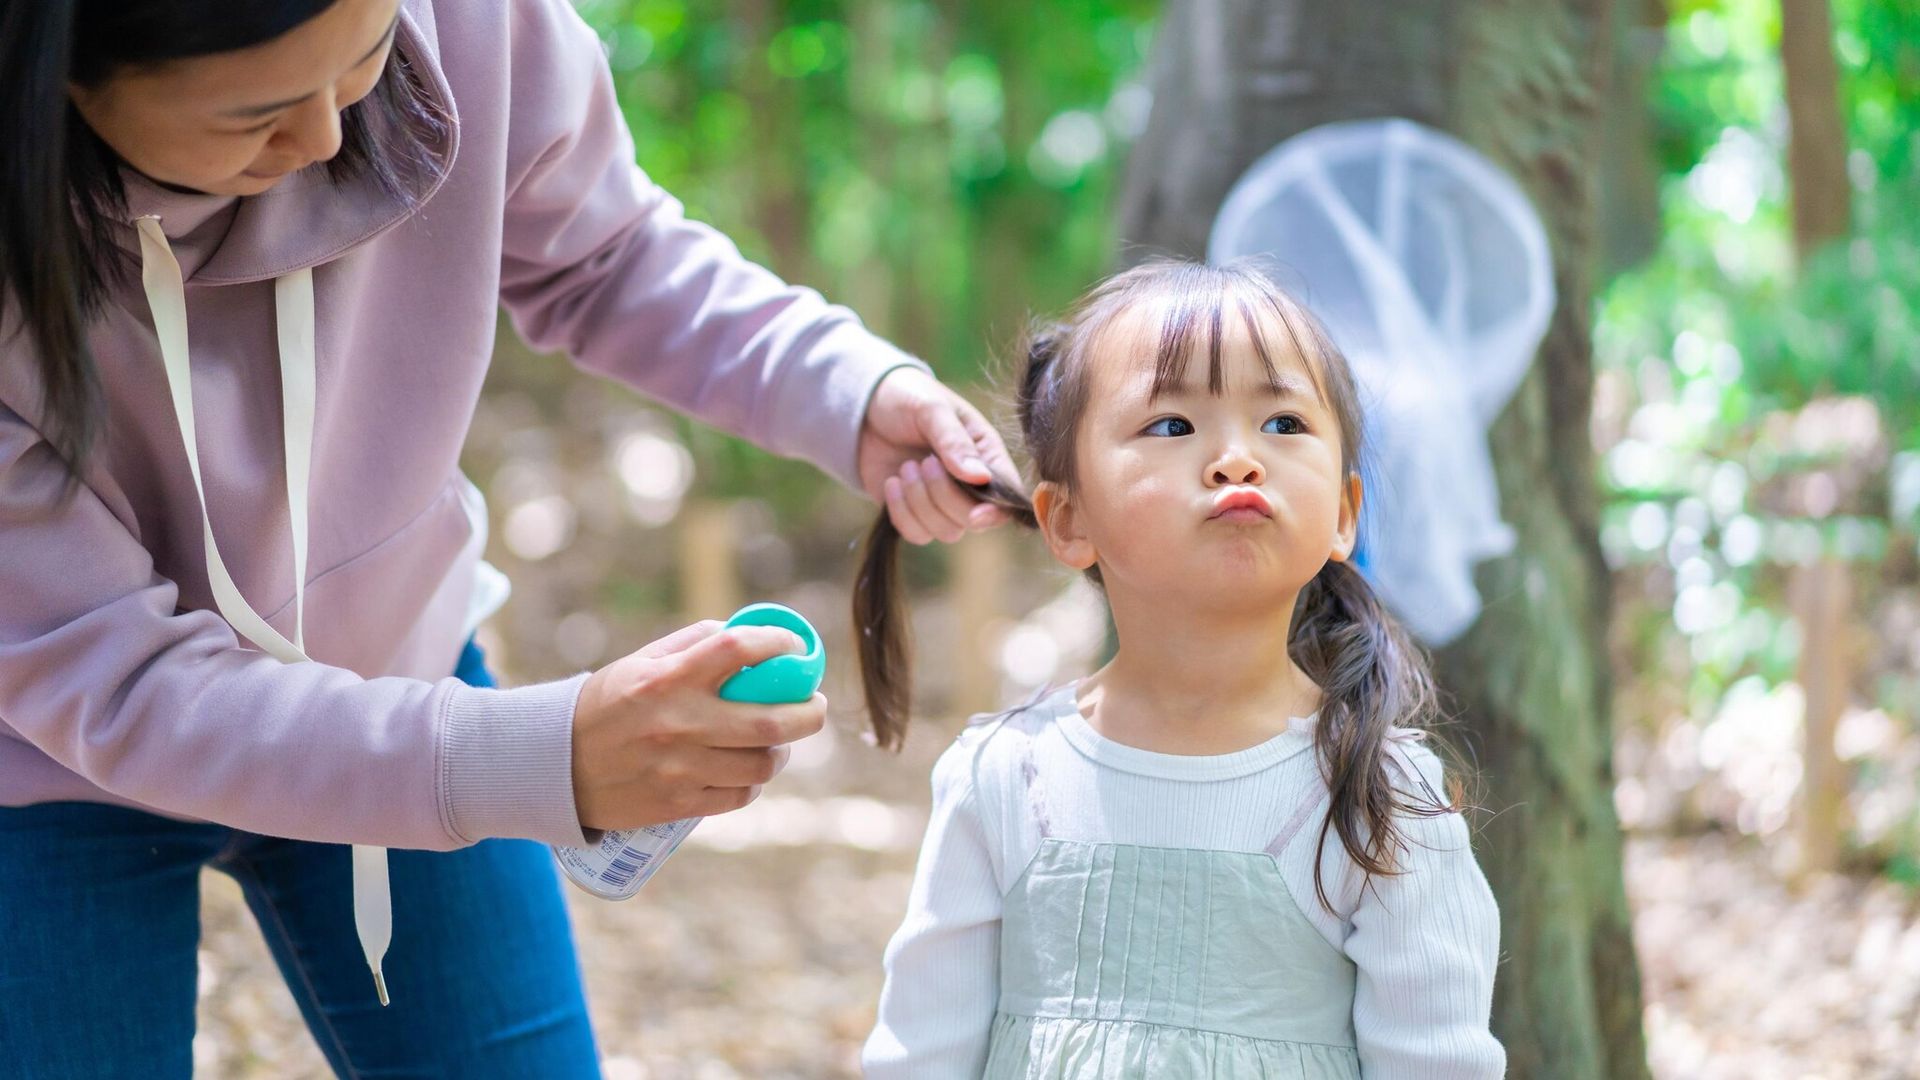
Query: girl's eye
x=1284, y=424
x=1169, y=427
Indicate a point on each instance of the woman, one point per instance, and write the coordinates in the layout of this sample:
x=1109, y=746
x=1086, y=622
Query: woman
x=250, y=256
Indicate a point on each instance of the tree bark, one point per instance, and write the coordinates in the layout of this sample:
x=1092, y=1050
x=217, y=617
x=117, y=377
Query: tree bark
x=1523, y=83
x=1629, y=195
x=1817, y=132
x=1822, y=212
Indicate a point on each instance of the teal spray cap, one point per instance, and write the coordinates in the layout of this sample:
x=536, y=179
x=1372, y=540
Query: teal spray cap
x=784, y=679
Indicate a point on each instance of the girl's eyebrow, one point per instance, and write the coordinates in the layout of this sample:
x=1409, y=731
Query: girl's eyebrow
x=1285, y=387
x=251, y=111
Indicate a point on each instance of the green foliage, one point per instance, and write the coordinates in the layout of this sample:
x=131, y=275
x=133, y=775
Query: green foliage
x=1849, y=325
x=943, y=169
x=1755, y=415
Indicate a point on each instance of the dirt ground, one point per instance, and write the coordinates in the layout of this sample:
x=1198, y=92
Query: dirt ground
x=756, y=952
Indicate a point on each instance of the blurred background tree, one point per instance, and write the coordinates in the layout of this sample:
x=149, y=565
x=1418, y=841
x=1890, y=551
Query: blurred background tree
x=1759, y=413
x=1527, y=85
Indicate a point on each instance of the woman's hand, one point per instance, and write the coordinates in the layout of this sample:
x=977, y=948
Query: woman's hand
x=653, y=741
x=918, y=436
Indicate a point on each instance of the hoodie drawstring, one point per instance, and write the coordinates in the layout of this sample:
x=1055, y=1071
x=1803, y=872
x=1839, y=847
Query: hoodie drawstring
x=293, y=312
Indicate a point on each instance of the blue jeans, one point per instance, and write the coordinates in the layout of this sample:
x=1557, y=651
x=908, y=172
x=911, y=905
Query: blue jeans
x=100, y=926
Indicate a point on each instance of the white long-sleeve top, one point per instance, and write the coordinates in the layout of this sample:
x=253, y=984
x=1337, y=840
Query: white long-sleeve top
x=1425, y=943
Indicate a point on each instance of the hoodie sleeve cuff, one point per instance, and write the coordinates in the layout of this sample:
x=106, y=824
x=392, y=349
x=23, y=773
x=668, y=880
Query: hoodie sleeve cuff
x=506, y=763
x=865, y=361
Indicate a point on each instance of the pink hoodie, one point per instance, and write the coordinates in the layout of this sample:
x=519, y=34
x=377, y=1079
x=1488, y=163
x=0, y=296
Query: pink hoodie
x=120, y=683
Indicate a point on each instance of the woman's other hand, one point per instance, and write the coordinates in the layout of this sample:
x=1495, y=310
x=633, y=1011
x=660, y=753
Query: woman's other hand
x=654, y=742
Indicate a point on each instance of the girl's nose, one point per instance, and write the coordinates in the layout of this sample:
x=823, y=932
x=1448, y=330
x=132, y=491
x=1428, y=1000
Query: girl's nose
x=1235, y=466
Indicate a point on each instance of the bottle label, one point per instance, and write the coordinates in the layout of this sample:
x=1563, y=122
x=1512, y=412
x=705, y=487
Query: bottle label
x=624, y=859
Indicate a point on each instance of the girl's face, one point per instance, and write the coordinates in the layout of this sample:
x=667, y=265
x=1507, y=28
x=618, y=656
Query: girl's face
x=235, y=123
x=1234, y=500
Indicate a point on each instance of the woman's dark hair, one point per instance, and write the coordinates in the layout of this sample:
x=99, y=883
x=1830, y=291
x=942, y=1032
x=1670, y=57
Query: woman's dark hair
x=61, y=197
x=1373, y=677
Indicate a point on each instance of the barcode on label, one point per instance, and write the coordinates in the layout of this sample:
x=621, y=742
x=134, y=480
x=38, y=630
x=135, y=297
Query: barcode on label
x=624, y=865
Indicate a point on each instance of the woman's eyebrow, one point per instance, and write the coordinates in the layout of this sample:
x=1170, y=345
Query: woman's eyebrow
x=251, y=111
x=382, y=43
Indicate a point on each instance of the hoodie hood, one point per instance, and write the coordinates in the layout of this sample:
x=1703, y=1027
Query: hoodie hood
x=307, y=219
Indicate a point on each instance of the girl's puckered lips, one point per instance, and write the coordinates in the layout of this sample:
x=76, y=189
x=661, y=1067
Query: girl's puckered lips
x=1240, y=504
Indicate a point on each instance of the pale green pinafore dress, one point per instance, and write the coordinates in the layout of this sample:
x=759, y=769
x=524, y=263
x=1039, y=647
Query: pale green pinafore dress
x=1166, y=963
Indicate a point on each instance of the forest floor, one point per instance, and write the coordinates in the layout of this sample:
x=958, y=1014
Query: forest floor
x=756, y=951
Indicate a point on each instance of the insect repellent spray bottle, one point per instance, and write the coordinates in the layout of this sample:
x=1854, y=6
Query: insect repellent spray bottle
x=623, y=860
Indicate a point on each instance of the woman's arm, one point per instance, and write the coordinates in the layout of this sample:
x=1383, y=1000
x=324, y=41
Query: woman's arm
x=162, y=708
x=943, y=965
x=599, y=261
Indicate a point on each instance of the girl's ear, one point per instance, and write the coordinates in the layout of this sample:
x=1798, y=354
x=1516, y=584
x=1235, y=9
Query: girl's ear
x=1061, y=527
x=1349, y=529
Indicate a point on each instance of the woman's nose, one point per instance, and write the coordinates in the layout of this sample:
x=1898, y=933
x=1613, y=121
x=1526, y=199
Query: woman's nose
x=313, y=130
x=1235, y=466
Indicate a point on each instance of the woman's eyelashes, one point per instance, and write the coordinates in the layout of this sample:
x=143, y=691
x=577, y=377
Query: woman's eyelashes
x=1171, y=427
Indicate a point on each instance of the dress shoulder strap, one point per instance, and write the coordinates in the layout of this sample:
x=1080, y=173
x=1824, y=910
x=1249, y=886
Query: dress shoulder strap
x=1396, y=753
x=1036, y=793
x=1295, y=822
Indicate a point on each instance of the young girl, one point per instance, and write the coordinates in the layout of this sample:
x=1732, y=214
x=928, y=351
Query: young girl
x=1224, y=854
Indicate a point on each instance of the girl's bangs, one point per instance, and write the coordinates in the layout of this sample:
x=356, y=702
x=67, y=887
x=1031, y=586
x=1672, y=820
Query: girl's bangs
x=1197, y=307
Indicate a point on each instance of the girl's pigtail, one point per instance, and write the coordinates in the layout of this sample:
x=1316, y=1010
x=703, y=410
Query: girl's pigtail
x=1373, y=678
x=880, y=617
x=886, y=664
x=879, y=603
x=1034, y=404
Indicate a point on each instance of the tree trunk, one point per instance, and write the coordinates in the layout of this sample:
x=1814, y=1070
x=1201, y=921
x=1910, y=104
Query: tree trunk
x=1629, y=194
x=1822, y=212
x=1522, y=82
x=1817, y=132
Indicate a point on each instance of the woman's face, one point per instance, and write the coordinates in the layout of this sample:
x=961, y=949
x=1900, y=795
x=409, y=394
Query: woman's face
x=235, y=123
